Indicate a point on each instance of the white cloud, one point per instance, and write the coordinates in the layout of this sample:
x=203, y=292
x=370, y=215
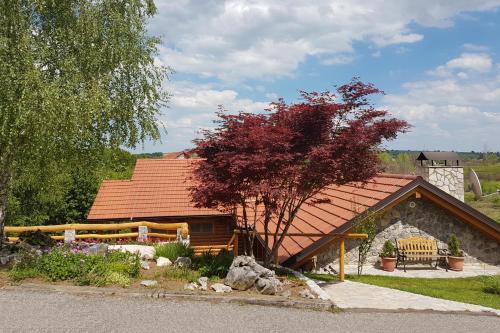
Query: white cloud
x=464, y=64
x=397, y=39
x=255, y=39
x=457, y=112
x=475, y=47
x=338, y=60
x=479, y=62
x=193, y=107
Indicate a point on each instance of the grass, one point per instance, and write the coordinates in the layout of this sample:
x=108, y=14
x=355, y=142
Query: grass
x=181, y=274
x=173, y=250
x=489, y=206
x=480, y=290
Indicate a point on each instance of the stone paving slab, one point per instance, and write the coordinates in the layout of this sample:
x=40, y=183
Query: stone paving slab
x=355, y=295
x=424, y=271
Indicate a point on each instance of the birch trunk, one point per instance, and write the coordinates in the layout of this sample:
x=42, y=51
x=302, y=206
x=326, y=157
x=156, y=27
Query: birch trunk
x=4, y=180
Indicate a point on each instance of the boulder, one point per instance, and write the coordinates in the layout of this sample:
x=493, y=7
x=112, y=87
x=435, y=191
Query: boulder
x=221, y=288
x=162, y=262
x=245, y=273
x=183, y=262
x=191, y=286
x=268, y=286
x=146, y=252
x=99, y=248
x=149, y=283
x=144, y=265
x=203, y=281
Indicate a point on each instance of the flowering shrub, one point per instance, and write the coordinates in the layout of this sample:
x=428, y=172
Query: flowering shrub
x=71, y=263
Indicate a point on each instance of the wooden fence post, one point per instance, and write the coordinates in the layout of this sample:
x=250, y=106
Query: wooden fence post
x=69, y=236
x=341, y=259
x=143, y=234
x=235, y=245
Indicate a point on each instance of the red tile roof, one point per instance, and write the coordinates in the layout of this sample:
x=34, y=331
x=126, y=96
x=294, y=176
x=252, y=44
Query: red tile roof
x=346, y=202
x=158, y=188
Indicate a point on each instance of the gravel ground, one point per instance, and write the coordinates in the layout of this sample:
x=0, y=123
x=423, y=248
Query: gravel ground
x=22, y=311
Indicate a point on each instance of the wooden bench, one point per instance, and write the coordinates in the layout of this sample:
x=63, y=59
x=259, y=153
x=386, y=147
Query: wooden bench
x=417, y=249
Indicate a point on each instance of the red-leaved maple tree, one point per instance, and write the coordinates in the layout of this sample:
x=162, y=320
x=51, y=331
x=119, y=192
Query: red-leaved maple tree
x=266, y=166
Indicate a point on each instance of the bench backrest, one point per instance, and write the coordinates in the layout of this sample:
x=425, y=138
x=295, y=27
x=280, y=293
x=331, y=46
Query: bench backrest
x=415, y=245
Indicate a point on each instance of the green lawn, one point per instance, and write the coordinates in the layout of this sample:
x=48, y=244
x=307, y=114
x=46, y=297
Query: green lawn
x=489, y=206
x=468, y=290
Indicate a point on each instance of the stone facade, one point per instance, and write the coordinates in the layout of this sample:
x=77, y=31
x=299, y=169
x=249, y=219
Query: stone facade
x=447, y=178
x=417, y=217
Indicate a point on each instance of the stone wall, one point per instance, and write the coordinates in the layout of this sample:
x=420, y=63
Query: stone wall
x=417, y=217
x=447, y=178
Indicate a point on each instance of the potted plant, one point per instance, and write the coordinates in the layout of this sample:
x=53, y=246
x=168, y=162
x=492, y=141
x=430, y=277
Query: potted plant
x=455, y=255
x=388, y=256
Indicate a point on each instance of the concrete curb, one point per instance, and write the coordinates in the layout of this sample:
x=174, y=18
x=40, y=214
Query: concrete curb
x=315, y=288
x=429, y=311
x=274, y=301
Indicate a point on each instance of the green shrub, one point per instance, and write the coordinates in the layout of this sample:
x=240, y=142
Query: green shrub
x=37, y=238
x=61, y=264
x=213, y=265
x=173, y=250
x=181, y=274
x=454, y=246
x=492, y=284
x=388, y=251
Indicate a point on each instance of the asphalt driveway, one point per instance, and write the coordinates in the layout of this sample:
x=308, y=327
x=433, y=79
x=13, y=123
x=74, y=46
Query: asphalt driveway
x=31, y=311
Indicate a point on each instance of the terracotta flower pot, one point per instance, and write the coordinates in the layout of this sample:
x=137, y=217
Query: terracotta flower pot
x=456, y=263
x=388, y=264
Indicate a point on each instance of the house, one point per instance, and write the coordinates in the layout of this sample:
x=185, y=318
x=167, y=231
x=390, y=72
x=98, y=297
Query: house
x=159, y=192
x=430, y=204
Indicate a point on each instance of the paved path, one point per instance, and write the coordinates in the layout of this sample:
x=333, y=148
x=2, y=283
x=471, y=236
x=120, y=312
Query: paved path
x=22, y=311
x=424, y=271
x=355, y=295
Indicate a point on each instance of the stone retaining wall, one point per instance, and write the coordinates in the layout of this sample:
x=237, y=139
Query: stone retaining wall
x=417, y=217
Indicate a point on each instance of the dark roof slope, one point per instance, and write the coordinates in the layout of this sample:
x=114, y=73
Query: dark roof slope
x=438, y=156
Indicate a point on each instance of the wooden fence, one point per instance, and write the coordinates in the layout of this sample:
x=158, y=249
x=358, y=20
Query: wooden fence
x=70, y=230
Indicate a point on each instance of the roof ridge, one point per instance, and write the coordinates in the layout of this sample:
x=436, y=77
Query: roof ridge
x=397, y=175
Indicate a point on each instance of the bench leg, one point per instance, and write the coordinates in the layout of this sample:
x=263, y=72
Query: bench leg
x=404, y=264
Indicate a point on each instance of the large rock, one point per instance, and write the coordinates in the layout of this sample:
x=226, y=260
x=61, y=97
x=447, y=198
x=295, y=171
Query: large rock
x=268, y=286
x=245, y=273
x=182, y=262
x=191, y=286
x=144, y=265
x=146, y=252
x=162, y=262
x=220, y=288
x=203, y=281
x=149, y=283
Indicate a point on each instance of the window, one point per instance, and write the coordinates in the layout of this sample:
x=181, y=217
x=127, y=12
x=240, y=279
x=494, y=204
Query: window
x=201, y=228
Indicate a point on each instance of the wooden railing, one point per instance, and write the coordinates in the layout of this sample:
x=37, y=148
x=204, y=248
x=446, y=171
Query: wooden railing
x=141, y=235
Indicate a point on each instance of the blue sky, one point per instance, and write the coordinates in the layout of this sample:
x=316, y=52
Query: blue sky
x=437, y=61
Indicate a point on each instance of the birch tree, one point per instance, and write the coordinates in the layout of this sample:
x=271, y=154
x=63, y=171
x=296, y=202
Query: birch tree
x=75, y=76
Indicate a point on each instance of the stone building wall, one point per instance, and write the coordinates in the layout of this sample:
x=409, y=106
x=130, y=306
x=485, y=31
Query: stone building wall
x=447, y=178
x=417, y=217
